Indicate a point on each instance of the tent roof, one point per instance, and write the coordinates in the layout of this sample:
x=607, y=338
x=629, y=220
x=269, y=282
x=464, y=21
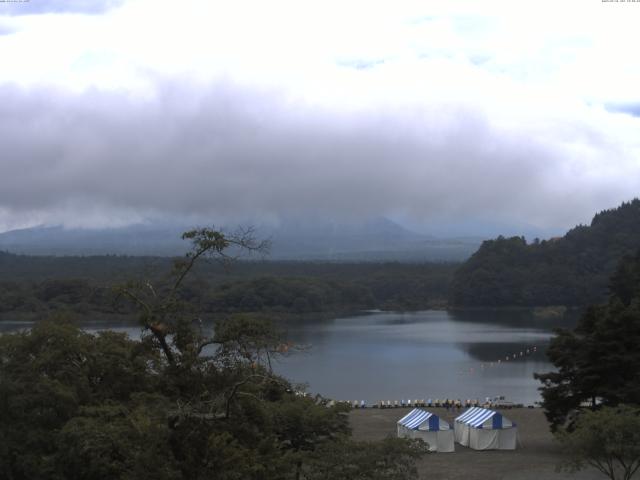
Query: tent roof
x=476, y=416
x=415, y=418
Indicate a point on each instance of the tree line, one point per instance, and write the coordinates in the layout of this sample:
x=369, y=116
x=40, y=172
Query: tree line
x=80, y=285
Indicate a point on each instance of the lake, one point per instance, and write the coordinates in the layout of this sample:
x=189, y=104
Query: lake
x=416, y=355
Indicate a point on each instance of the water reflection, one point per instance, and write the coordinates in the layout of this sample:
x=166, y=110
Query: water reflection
x=546, y=319
x=512, y=352
x=421, y=355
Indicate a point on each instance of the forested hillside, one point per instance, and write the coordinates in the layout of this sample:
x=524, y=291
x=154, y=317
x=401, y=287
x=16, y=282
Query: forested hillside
x=36, y=286
x=572, y=270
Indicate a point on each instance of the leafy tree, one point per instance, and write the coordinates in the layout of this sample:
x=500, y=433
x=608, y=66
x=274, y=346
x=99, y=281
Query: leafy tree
x=47, y=375
x=305, y=426
x=390, y=459
x=607, y=439
x=117, y=441
x=182, y=403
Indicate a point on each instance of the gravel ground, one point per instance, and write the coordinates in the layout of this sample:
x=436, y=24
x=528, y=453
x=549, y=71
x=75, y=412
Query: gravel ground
x=535, y=458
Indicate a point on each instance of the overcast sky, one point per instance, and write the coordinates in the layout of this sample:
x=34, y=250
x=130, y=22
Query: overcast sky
x=510, y=113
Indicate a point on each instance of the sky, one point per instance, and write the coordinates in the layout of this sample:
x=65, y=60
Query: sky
x=435, y=114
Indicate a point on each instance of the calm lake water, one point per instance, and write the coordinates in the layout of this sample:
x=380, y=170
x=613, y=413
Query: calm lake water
x=394, y=356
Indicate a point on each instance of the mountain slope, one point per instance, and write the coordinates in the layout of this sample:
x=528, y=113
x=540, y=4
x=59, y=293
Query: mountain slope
x=572, y=270
x=375, y=240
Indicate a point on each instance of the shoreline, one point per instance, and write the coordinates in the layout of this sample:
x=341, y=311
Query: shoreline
x=544, y=312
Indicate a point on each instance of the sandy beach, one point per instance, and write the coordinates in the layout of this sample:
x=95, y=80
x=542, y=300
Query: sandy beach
x=535, y=458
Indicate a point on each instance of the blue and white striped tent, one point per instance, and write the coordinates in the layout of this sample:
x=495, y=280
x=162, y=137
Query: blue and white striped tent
x=429, y=427
x=484, y=429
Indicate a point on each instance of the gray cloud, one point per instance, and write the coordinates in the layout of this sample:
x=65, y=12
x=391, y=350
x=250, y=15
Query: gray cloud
x=230, y=152
x=36, y=7
x=628, y=108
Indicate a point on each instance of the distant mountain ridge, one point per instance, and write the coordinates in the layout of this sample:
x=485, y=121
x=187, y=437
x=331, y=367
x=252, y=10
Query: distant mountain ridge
x=378, y=239
x=570, y=270
x=139, y=239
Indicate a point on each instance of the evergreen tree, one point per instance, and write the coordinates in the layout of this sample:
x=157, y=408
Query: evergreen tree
x=599, y=361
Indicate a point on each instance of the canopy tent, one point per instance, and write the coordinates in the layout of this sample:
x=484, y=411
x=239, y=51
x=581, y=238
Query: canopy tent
x=425, y=425
x=483, y=429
